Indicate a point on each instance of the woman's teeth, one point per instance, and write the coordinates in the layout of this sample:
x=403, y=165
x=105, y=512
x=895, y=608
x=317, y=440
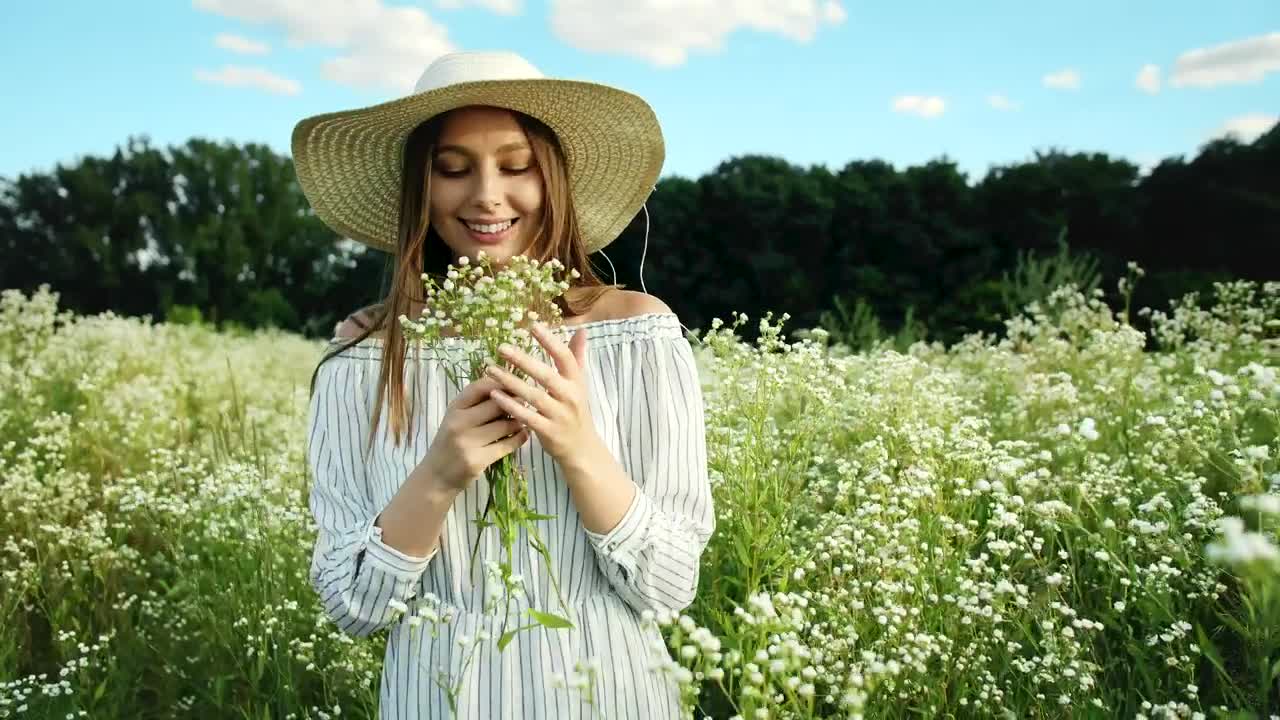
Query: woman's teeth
x=491, y=229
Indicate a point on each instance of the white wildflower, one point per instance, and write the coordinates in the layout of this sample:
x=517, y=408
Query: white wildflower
x=1088, y=429
x=1238, y=546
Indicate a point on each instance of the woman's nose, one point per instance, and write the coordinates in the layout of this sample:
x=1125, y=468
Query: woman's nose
x=488, y=189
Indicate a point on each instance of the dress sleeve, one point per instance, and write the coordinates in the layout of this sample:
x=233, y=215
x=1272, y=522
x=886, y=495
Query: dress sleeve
x=356, y=575
x=652, y=556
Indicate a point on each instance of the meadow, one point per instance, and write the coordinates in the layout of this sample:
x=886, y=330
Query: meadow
x=1073, y=519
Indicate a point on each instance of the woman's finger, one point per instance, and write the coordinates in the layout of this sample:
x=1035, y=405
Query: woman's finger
x=475, y=392
x=496, y=430
x=529, y=416
x=546, y=376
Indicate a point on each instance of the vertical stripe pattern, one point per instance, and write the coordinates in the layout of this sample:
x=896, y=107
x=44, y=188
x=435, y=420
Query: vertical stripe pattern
x=646, y=402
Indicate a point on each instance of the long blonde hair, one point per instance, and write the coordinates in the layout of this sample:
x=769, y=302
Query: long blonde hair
x=420, y=249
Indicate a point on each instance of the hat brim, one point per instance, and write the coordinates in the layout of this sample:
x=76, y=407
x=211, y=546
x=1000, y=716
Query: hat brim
x=349, y=162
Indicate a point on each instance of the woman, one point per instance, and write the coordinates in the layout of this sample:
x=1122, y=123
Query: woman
x=488, y=155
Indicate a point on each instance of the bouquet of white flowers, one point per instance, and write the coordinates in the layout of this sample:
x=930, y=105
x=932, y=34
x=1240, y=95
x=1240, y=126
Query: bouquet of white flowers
x=483, y=308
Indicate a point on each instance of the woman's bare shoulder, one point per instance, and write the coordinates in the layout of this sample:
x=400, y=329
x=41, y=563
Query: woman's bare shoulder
x=355, y=325
x=623, y=304
x=613, y=304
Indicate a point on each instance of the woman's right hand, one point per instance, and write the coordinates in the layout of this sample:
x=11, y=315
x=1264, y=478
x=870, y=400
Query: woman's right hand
x=472, y=436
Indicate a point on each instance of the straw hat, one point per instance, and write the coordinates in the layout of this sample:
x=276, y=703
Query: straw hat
x=349, y=162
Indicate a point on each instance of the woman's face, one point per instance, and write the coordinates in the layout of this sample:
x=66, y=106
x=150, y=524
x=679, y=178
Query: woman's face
x=486, y=188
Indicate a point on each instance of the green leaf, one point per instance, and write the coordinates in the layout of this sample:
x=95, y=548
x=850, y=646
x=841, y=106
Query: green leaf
x=1210, y=652
x=540, y=516
x=506, y=639
x=510, y=635
x=1275, y=670
x=554, y=622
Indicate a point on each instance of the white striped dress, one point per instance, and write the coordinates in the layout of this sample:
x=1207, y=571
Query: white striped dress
x=647, y=406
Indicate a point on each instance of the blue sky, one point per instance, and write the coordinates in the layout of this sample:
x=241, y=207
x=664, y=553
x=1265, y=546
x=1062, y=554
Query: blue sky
x=813, y=81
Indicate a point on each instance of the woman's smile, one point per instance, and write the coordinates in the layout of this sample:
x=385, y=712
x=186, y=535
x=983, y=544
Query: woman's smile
x=491, y=233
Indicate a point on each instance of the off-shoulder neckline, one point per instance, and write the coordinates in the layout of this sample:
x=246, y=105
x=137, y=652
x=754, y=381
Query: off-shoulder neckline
x=613, y=331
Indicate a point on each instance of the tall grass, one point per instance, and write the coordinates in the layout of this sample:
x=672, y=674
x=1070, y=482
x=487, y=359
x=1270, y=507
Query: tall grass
x=1029, y=525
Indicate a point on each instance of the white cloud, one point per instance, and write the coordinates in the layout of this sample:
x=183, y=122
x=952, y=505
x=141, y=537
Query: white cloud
x=1237, y=62
x=241, y=44
x=1000, y=102
x=919, y=105
x=1148, y=80
x=664, y=32
x=381, y=46
x=833, y=12
x=238, y=76
x=501, y=7
x=1065, y=79
x=1246, y=128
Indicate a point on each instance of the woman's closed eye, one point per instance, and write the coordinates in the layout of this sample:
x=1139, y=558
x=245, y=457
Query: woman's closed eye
x=450, y=172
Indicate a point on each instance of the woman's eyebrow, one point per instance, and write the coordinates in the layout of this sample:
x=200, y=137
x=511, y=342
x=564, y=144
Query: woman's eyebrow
x=509, y=147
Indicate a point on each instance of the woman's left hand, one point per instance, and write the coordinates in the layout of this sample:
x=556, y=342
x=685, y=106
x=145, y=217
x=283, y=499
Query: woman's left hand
x=561, y=414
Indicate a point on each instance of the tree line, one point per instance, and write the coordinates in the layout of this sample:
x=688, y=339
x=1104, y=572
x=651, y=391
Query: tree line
x=224, y=232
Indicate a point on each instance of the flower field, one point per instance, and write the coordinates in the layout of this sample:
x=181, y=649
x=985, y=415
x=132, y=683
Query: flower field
x=1076, y=519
